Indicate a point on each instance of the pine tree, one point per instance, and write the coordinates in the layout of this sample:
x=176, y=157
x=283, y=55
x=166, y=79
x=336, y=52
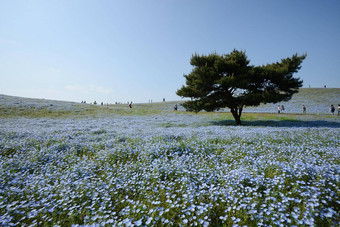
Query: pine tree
x=219, y=81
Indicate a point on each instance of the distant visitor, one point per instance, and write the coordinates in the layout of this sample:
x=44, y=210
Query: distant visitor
x=304, y=109
x=175, y=107
x=332, y=109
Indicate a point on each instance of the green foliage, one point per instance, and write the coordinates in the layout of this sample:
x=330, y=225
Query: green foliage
x=229, y=81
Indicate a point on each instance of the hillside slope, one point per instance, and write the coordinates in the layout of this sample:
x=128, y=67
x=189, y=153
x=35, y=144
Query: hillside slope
x=317, y=101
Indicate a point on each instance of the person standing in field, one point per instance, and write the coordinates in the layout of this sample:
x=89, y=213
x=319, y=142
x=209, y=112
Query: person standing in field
x=282, y=109
x=278, y=109
x=338, y=109
x=332, y=109
x=304, y=109
x=175, y=107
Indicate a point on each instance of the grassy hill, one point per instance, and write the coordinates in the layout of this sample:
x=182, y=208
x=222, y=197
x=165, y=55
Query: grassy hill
x=317, y=101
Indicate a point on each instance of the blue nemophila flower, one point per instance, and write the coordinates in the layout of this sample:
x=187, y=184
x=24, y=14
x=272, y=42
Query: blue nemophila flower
x=146, y=169
x=149, y=220
x=139, y=222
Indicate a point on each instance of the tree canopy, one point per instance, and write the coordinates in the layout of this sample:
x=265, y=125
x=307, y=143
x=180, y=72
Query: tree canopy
x=219, y=81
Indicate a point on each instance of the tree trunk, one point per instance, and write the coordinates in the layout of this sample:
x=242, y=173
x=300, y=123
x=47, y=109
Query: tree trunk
x=238, y=120
x=237, y=115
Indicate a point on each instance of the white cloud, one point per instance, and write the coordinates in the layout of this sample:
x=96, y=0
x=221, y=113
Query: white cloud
x=88, y=89
x=100, y=89
x=54, y=70
x=77, y=88
x=9, y=42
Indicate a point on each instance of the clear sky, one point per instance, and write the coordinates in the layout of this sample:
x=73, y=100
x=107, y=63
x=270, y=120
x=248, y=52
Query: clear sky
x=127, y=50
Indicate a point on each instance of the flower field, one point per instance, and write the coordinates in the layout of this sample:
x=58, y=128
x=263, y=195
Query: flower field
x=168, y=168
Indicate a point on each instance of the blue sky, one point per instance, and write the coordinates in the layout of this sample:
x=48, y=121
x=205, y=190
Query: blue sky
x=112, y=51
